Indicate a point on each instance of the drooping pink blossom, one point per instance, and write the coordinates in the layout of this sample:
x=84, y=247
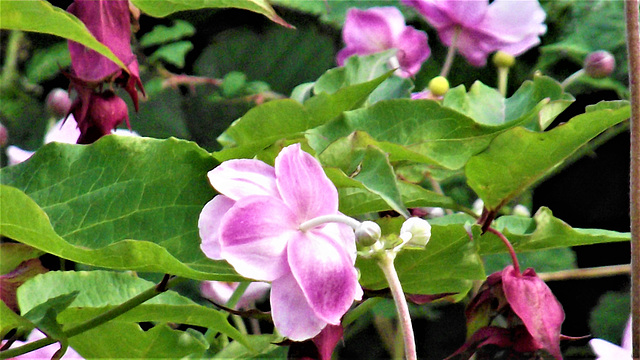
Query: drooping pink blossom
x=608, y=351
x=254, y=225
x=109, y=22
x=220, y=292
x=378, y=29
x=533, y=316
x=513, y=26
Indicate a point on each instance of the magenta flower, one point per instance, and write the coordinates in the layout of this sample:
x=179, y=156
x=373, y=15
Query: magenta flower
x=96, y=111
x=507, y=25
x=378, y=29
x=220, y=292
x=608, y=351
x=254, y=225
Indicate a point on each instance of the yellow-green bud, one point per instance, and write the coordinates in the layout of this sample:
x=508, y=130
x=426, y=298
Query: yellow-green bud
x=439, y=85
x=416, y=232
x=368, y=233
x=503, y=59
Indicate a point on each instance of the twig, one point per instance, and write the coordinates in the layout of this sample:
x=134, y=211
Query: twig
x=586, y=273
x=633, y=53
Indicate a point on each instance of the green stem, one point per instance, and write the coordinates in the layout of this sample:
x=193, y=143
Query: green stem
x=451, y=53
x=633, y=52
x=503, y=77
x=237, y=294
x=404, y=318
x=106, y=316
x=354, y=314
x=572, y=78
x=9, y=70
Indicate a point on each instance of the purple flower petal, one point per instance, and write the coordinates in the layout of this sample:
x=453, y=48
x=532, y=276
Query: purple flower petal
x=370, y=31
x=64, y=131
x=254, y=234
x=325, y=274
x=240, y=178
x=220, y=292
x=413, y=50
x=303, y=185
x=532, y=300
x=292, y=315
x=327, y=340
x=109, y=22
x=517, y=24
x=626, y=336
x=209, y=225
x=609, y=351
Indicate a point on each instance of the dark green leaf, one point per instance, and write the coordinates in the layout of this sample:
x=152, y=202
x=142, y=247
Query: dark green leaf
x=45, y=64
x=543, y=231
x=162, y=8
x=173, y=53
x=122, y=203
x=519, y=157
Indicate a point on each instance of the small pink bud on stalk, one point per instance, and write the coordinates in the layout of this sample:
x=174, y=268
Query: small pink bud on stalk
x=599, y=64
x=58, y=102
x=4, y=136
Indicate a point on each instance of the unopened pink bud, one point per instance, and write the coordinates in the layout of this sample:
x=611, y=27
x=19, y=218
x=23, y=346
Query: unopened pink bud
x=58, y=102
x=599, y=64
x=4, y=136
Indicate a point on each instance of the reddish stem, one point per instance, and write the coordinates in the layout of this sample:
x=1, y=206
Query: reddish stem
x=506, y=242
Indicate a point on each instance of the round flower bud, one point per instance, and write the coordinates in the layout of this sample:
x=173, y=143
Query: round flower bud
x=58, y=102
x=439, y=85
x=521, y=210
x=503, y=59
x=368, y=233
x=416, y=232
x=599, y=64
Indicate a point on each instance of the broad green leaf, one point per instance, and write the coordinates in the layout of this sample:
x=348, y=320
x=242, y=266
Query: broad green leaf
x=173, y=53
x=283, y=119
x=119, y=340
x=162, y=8
x=325, y=107
x=12, y=254
x=518, y=158
x=263, y=125
x=264, y=347
x=377, y=176
x=92, y=300
x=356, y=199
x=45, y=316
x=543, y=231
x=40, y=16
x=449, y=263
x=426, y=131
x=534, y=105
x=121, y=203
x=162, y=34
x=482, y=103
x=10, y=320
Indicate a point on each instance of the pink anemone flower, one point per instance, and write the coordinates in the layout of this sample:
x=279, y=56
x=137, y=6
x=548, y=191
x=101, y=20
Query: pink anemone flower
x=255, y=226
x=378, y=29
x=513, y=26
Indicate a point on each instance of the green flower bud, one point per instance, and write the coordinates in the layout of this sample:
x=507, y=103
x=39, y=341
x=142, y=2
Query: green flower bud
x=439, y=85
x=503, y=59
x=415, y=232
x=368, y=233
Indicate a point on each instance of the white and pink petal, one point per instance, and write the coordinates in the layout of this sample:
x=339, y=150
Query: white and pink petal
x=244, y=177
